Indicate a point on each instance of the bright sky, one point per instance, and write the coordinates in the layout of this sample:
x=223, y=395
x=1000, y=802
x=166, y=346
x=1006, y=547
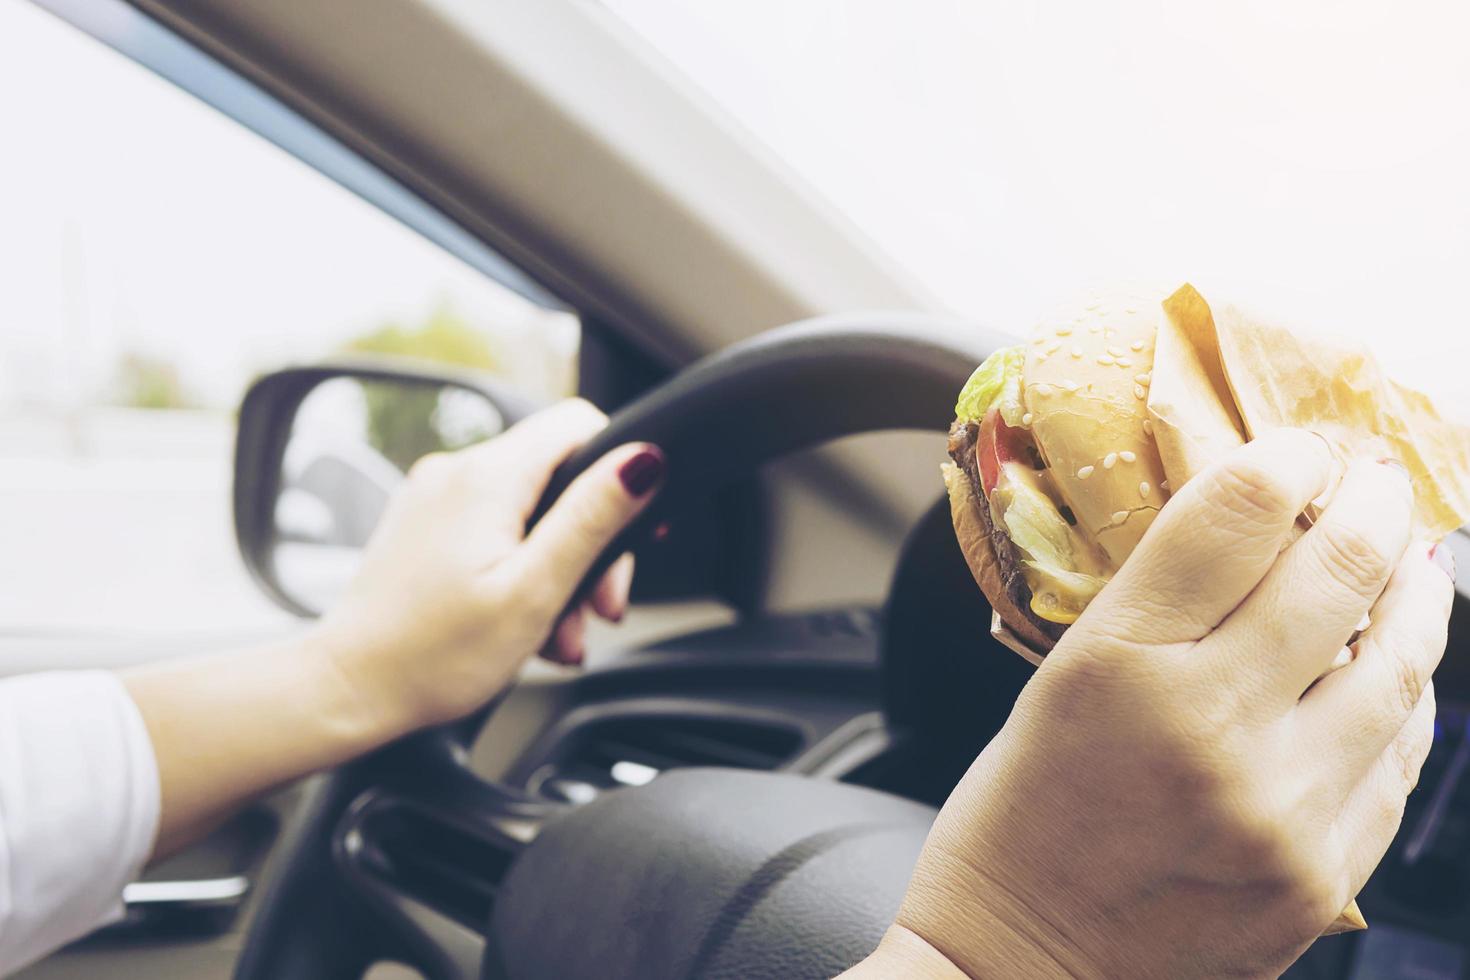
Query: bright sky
x=133, y=217
x=1309, y=157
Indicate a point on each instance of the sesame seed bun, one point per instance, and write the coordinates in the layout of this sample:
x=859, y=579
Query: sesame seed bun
x=1086, y=389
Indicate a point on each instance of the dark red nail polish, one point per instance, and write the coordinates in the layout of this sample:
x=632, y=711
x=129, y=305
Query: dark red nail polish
x=1442, y=556
x=642, y=471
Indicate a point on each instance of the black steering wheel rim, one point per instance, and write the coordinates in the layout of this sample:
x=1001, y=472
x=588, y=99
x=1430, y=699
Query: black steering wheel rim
x=785, y=390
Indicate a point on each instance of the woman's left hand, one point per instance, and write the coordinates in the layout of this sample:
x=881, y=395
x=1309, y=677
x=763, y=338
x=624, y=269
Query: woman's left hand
x=454, y=595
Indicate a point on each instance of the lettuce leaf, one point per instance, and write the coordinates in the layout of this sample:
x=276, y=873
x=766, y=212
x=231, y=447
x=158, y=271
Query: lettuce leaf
x=995, y=383
x=1059, y=592
x=1037, y=527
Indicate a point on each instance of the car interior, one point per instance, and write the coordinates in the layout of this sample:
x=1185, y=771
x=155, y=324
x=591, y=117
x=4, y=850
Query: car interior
x=739, y=781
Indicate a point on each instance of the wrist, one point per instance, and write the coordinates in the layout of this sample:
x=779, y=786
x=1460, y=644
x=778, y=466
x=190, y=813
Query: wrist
x=982, y=934
x=904, y=953
x=351, y=710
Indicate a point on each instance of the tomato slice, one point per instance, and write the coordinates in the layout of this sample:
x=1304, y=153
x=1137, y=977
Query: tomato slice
x=997, y=445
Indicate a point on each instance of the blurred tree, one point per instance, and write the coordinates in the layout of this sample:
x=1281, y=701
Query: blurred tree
x=146, y=381
x=400, y=417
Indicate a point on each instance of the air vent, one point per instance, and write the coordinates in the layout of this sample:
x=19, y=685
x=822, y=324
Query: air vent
x=632, y=751
x=417, y=855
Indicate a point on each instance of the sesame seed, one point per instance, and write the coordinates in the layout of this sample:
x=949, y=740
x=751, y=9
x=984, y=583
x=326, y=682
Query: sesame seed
x=1123, y=362
x=1143, y=489
x=1076, y=351
x=1051, y=348
x=1104, y=359
x=1063, y=330
x=1128, y=456
x=1119, y=516
x=1070, y=385
x=1084, y=473
x=1163, y=484
x=1027, y=419
x=1041, y=355
x=1110, y=460
x=1039, y=341
x=1116, y=352
x=1138, y=392
x=1142, y=378
x=1136, y=345
x=1148, y=428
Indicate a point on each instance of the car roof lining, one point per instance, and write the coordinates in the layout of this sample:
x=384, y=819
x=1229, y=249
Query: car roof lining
x=625, y=194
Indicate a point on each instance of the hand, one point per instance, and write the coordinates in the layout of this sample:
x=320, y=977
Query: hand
x=1176, y=792
x=453, y=595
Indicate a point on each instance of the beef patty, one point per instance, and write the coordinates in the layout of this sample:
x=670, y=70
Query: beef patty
x=962, y=439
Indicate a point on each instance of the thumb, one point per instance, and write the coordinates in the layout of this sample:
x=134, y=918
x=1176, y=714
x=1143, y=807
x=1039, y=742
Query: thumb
x=563, y=545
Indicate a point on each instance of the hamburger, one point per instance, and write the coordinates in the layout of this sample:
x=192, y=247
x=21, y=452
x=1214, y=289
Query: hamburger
x=1063, y=448
x=1055, y=473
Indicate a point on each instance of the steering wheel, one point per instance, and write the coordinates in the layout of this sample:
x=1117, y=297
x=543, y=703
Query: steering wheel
x=701, y=872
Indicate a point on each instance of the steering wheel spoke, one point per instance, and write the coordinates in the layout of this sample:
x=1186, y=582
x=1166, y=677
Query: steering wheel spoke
x=399, y=856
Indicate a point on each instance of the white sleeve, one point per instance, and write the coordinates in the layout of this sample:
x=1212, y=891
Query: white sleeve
x=79, y=804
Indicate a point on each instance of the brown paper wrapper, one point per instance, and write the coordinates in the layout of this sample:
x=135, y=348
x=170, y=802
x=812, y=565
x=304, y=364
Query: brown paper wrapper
x=1007, y=638
x=1222, y=377
x=1195, y=420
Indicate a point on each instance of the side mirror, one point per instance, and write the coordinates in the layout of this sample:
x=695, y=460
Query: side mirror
x=320, y=450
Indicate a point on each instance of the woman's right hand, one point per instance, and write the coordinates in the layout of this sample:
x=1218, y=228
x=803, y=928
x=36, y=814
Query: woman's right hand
x=1176, y=792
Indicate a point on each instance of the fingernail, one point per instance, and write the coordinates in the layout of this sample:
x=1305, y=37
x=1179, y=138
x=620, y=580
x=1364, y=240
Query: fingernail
x=1442, y=556
x=642, y=471
x=1392, y=463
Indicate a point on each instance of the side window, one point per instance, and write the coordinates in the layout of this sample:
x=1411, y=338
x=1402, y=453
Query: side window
x=155, y=255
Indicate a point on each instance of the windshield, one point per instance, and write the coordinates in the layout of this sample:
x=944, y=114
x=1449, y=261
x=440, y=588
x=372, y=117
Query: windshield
x=155, y=255
x=1309, y=158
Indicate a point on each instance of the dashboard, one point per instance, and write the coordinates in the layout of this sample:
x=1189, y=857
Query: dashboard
x=803, y=693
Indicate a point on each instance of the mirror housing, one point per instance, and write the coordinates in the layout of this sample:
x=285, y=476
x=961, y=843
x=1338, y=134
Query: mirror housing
x=297, y=491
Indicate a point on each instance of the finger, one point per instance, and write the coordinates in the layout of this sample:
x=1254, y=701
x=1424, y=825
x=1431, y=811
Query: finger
x=561, y=548
x=1292, y=626
x=1359, y=709
x=610, y=598
x=1220, y=533
x=516, y=465
x=567, y=643
x=1375, y=807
